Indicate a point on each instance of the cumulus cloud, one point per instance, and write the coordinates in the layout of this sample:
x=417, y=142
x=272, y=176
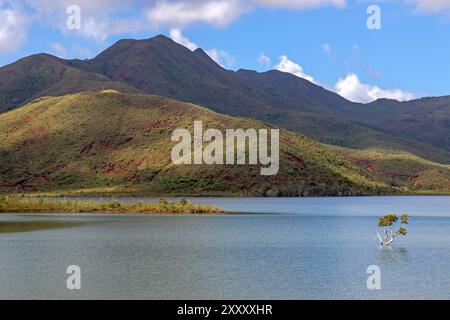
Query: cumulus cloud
x=264, y=60
x=352, y=89
x=217, y=13
x=221, y=57
x=13, y=29
x=176, y=36
x=220, y=13
x=104, y=18
x=88, y=7
x=286, y=65
x=97, y=17
x=96, y=28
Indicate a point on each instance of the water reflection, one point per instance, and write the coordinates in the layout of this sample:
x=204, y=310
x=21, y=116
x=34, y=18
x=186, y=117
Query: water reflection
x=316, y=253
x=27, y=226
x=392, y=255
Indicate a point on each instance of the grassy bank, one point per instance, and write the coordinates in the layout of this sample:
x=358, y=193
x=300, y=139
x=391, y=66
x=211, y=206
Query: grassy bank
x=17, y=205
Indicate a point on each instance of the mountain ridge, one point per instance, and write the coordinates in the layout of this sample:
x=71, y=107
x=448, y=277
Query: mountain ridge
x=163, y=67
x=119, y=143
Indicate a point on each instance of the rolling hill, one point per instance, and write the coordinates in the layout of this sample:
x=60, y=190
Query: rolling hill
x=162, y=67
x=40, y=75
x=426, y=120
x=117, y=143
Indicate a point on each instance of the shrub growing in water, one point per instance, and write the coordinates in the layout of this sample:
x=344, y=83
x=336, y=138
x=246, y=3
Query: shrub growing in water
x=388, y=224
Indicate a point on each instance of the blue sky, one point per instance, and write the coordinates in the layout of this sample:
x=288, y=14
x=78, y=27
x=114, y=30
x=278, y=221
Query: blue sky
x=325, y=41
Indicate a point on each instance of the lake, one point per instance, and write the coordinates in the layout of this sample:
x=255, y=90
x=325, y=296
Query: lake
x=276, y=248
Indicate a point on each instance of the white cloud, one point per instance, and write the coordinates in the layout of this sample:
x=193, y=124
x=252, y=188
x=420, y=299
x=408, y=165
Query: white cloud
x=220, y=13
x=431, y=5
x=264, y=60
x=88, y=7
x=104, y=18
x=286, y=65
x=96, y=16
x=59, y=50
x=13, y=29
x=301, y=4
x=95, y=28
x=352, y=89
x=217, y=13
x=176, y=36
x=221, y=57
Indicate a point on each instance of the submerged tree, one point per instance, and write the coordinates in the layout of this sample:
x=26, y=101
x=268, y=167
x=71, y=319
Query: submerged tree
x=388, y=223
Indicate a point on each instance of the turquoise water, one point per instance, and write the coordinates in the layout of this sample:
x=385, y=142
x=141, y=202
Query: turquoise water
x=290, y=248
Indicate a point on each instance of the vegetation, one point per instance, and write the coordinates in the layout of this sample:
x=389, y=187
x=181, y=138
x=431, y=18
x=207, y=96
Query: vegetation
x=161, y=66
x=405, y=172
x=17, y=205
x=96, y=143
x=42, y=74
x=388, y=225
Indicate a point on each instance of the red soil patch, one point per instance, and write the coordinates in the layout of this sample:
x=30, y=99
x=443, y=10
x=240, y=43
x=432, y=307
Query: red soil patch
x=122, y=169
x=25, y=184
x=18, y=123
x=104, y=145
x=416, y=181
x=296, y=159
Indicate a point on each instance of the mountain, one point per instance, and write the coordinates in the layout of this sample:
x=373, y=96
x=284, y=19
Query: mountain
x=113, y=141
x=426, y=120
x=42, y=74
x=162, y=67
x=110, y=142
x=122, y=141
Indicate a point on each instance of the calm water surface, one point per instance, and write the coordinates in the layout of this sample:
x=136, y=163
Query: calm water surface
x=314, y=248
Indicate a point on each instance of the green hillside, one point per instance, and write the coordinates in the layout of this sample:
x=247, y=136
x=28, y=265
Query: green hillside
x=401, y=170
x=280, y=98
x=109, y=142
x=40, y=75
x=162, y=67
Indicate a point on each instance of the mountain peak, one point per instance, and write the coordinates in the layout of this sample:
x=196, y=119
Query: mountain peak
x=126, y=44
x=200, y=52
x=161, y=66
x=41, y=57
x=161, y=37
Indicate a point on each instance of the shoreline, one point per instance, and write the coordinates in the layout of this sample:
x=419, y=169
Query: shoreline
x=175, y=196
x=14, y=205
x=136, y=193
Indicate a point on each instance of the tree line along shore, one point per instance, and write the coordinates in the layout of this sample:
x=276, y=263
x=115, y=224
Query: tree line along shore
x=20, y=205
